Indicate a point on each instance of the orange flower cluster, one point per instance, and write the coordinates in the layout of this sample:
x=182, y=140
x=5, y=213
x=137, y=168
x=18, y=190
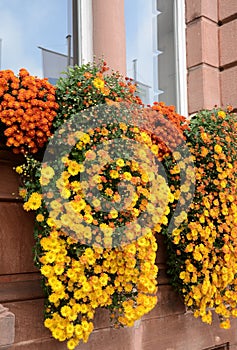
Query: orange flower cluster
x=165, y=126
x=27, y=110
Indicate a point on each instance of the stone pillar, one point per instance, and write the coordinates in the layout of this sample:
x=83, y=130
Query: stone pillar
x=202, y=54
x=7, y=328
x=228, y=47
x=109, y=39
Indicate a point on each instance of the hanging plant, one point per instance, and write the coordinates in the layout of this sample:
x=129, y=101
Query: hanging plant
x=99, y=201
x=202, y=251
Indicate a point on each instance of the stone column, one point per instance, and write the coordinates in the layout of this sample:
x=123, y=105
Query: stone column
x=228, y=47
x=202, y=54
x=109, y=39
x=7, y=328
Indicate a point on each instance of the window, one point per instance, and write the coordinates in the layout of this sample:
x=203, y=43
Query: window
x=155, y=44
x=166, y=51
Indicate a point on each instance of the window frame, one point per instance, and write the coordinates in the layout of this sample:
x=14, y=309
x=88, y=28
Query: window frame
x=180, y=52
x=83, y=31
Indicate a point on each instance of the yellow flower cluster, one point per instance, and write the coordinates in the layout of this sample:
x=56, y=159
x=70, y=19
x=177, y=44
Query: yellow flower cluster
x=206, y=243
x=34, y=202
x=47, y=174
x=147, y=194
x=91, y=257
x=96, y=278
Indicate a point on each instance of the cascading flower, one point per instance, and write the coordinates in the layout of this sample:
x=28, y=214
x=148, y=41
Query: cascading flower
x=93, y=278
x=91, y=257
x=98, y=209
x=203, y=249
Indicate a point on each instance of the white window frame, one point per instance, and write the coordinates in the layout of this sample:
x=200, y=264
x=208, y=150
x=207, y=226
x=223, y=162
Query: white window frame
x=85, y=31
x=180, y=52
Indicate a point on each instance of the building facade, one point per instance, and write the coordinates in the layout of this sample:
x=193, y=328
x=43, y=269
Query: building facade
x=193, y=49
x=205, y=46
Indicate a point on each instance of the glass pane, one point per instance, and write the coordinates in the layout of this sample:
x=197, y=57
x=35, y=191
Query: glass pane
x=140, y=39
x=150, y=46
x=166, y=44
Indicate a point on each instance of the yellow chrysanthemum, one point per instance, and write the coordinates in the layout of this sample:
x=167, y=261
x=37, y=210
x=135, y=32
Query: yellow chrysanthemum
x=34, y=202
x=98, y=83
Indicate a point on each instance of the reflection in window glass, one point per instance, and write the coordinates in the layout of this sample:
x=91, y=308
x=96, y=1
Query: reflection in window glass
x=150, y=48
x=166, y=44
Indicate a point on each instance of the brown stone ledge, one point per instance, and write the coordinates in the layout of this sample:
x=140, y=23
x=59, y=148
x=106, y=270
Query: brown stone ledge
x=20, y=290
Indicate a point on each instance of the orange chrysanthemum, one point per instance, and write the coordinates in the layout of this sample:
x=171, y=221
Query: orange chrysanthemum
x=27, y=109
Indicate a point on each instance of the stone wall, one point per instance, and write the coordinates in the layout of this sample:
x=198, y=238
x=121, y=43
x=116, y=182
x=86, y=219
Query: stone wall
x=20, y=291
x=211, y=53
x=228, y=50
x=202, y=54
